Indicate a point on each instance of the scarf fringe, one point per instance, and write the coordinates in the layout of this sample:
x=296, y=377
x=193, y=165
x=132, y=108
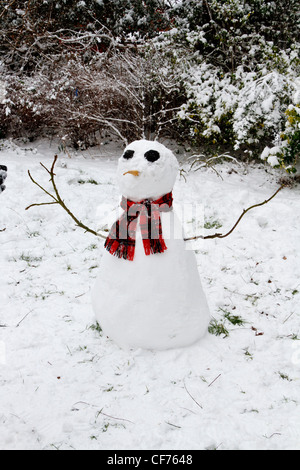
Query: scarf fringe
x=154, y=246
x=127, y=252
x=115, y=248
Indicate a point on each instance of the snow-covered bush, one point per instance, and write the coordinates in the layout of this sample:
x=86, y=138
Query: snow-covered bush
x=244, y=109
x=32, y=30
x=20, y=114
x=69, y=101
x=125, y=94
x=240, y=66
x=226, y=32
x=286, y=151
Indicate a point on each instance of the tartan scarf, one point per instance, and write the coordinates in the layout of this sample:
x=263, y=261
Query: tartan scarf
x=121, y=239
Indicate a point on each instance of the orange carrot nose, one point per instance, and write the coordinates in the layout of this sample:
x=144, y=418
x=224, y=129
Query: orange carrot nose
x=132, y=172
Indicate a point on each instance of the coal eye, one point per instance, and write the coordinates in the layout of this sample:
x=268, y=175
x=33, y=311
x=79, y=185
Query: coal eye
x=152, y=156
x=128, y=154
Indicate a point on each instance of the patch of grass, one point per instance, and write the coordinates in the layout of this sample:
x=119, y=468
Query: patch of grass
x=114, y=425
x=284, y=376
x=217, y=328
x=44, y=295
x=289, y=400
x=233, y=319
x=248, y=355
x=224, y=269
x=105, y=427
x=209, y=224
x=93, y=267
x=96, y=327
x=93, y=246
x=30, y=259
x=295, y=292
x=89, y=181
x=33, y=234
x=56, y=446
x=252, y=298
x=253, y=410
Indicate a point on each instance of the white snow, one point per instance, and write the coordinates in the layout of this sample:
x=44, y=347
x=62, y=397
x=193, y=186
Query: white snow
x=65, y=386
x=2, y=91
x=273, y=160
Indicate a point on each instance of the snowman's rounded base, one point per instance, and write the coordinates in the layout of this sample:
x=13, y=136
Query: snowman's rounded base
x=152, y=302
x=158, y=340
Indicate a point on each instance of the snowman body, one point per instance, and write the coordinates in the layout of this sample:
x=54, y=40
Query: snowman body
x=154, y=301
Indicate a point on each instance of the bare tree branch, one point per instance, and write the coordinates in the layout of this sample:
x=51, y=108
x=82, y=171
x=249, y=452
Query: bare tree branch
x=220, y=235
x=58, y=200
x=41, y=204
x=6, y=8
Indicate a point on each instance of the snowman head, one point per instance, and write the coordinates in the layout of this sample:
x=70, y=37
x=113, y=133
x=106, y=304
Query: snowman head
x=146, y=170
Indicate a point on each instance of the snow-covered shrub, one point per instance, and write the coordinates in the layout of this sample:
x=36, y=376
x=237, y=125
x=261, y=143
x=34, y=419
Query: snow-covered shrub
x=259, y=111
x=19, y=114
x=125, y=94
x=69, y=101
x=209, y=106
x=226, y=32
x=244, y=109
x=238, y=72
x=32, y=30
x=286, y=151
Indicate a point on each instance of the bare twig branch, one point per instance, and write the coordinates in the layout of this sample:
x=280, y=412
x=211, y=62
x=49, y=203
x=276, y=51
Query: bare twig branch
x=100, y=412
x=41, y=204
x=5, y=9
x=58, y=200
x=43, y=189
x=113, y=417
x=198, y=404
x=18, y=324
x=220, y=235
x=174, y=425
x=214, y=380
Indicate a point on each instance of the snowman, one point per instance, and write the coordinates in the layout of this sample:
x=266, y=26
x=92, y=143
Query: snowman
x=148, y=292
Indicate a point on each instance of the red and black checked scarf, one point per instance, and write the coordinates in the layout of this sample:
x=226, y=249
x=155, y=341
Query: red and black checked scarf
x=121, y=239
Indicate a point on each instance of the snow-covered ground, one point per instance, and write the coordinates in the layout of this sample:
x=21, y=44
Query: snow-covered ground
x=64, y=385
